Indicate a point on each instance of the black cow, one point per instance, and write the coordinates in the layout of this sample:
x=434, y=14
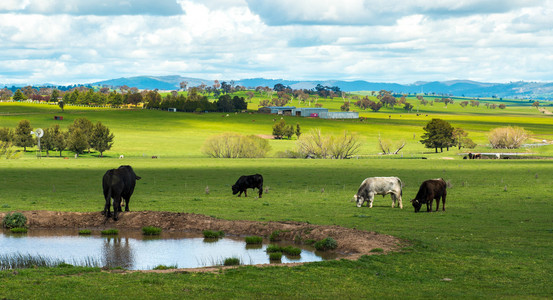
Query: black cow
x=428, y=191
x=248, y=182
x=118, y=183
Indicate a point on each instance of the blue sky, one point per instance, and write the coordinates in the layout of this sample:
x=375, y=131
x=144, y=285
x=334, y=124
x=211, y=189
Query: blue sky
x=79, y=41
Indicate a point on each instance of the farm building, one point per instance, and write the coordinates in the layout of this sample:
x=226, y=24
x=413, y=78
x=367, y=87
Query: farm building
x=316, y=112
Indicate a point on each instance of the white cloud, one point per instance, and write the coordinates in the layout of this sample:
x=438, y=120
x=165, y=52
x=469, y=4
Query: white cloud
x=72, y=41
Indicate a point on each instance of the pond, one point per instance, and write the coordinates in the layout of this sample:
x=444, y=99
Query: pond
x=131, y=250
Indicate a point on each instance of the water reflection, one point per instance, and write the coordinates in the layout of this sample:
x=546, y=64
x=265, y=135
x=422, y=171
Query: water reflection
x=117, y=252
x=132, y=250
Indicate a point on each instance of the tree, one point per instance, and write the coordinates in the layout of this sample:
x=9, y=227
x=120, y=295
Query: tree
x=55, y=95
x=288, y=131
x=298, y=130
x=386, y=98
x=102, y=138
x=460, y=139
x=408, y=106
x=59, y=139
x=77, y=141
x=345, y=106
x=86, y=127
x=183, y=85
x=5, y=94
x=278, y=129
x=47, y=140
x=23, y=137
x=224, y=104
x=438, y=134
x=18, y=96
x=61, y=104
x=6, y=134
x=134, y=98
x=536, y=104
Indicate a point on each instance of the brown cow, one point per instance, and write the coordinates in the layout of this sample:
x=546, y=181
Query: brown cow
x=428, y=191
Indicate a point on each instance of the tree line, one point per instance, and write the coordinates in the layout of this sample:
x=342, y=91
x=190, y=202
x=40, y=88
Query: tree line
x=80, y=136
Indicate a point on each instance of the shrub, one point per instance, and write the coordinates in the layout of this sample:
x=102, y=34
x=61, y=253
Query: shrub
x=19, y=230
x=210, y=234
x=377, y=250
x=232, y=261
x=110, y=232
x=254, y=240
x=315, y=145
x=151, y=230
x=232, y=145
x=326, y=244
x=275, y=256
x=85, y=232
x=14, y=220
x=507, y=137
x=164, y=267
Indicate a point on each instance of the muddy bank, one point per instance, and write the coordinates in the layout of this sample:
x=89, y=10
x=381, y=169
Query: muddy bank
x=352, y=242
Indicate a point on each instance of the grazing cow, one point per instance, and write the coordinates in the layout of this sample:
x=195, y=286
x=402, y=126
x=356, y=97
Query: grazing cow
x=246, y=182
x=379, y=186
x=428, y=191
x=118, y=183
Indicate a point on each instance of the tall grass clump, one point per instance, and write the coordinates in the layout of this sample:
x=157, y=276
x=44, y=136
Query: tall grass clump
x=85, y=232
x=275, y=256
x=288, y=250
x=23, y=261
x=232, y=261
x=211, y=234
x=18, y=230
x=110, y=232
x=15, y=220
x=151, y=230
x=254, y=240
x=233, y=145
x=326, y=244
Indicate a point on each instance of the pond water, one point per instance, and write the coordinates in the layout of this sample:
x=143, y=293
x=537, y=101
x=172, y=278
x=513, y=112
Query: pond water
x=131, y=250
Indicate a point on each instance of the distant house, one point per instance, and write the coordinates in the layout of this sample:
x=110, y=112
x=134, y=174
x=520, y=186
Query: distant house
x=314, y=112
x=172, y=109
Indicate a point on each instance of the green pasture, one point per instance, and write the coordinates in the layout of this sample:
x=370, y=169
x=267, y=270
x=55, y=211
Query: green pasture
x=493, y=241
x=146, y=133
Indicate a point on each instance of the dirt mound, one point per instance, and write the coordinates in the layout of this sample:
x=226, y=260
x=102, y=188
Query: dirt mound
x=352, y=242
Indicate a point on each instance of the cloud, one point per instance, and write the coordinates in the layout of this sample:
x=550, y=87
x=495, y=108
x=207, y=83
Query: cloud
x=86, y=7
x=373, y=12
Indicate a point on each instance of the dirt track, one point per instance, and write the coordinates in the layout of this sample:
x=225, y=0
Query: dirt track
x=352, y=242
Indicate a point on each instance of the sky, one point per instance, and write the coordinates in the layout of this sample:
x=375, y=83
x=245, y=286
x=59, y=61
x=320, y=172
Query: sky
x=82, y=41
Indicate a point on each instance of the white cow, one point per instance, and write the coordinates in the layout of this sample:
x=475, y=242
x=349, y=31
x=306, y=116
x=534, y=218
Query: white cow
x=379, y=186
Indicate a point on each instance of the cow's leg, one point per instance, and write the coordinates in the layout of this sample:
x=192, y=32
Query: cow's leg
x=246, y=192
x=393, y=199
x=116, y=207
x=429, y=205
x=371, y=198
x=437, y=203
x=260, y=190
x=240, y=194
x=443, y=203
x=400, y=201
x=127, y=204
x=107, y=211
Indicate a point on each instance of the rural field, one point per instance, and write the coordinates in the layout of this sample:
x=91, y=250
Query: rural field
x=493, y=240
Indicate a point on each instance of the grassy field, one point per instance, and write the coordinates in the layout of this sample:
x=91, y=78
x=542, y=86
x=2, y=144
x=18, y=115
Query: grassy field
x=494, y=240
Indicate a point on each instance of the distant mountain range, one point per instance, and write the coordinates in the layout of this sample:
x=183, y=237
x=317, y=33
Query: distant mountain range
x=467, y=88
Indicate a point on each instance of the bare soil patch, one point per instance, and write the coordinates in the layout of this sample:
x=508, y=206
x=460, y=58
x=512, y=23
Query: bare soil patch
x=351, y=242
